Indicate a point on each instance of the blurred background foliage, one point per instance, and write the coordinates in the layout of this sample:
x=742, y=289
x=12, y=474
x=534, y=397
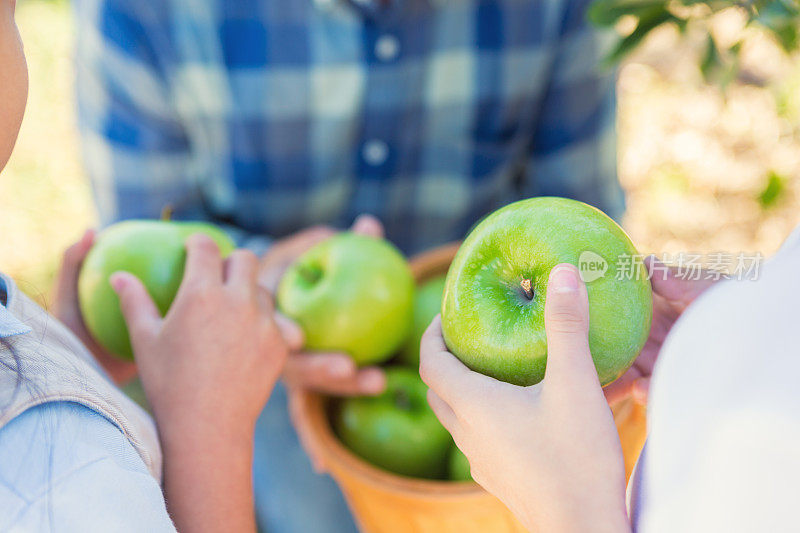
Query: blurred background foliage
x=719, y=55
x=705, y=169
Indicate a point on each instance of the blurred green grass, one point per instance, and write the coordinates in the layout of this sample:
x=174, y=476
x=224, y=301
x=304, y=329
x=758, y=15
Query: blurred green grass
x=698, y=167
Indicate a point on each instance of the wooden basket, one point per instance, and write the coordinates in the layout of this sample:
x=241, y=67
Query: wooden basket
x=383, y=502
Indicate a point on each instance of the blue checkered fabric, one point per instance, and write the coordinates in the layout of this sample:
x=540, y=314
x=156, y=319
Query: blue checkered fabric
x=275, y=115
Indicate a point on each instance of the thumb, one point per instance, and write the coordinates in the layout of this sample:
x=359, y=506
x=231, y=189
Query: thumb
x=140, y=312
x=566, y=323
x=292, y=333
x=66, y=287
x=367, y=225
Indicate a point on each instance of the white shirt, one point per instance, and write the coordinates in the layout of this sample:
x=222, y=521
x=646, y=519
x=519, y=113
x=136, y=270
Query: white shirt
x=724, y=417
x=65, y=468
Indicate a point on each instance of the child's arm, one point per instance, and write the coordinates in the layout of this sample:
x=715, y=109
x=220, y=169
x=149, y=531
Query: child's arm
x=550, y=452
x=208, y=369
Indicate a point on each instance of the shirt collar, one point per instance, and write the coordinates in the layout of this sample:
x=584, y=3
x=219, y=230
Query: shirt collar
x=9, y=324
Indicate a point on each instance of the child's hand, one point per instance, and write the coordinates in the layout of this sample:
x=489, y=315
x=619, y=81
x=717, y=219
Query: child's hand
x=330, y=373
x=671, y=296
x=218, y=352
x=65, y=308
x=207, y=369
x=550, y=452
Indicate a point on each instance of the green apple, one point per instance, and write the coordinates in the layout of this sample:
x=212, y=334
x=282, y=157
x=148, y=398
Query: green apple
x=350, y=293
x=396, y=430
x=151, y=250
x=458, y=468
x=493, y=306
x=427, y=304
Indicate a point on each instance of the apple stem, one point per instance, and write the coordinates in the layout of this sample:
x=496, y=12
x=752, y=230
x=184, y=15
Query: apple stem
x=166, y=213
x=310, y=275
x=527, y=288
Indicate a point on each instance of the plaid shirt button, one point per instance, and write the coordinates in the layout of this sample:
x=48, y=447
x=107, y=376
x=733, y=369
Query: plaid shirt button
x=263, y=118
x=387, y=47
x=375, y=152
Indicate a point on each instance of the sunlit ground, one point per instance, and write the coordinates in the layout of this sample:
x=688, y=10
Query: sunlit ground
x=704, y=172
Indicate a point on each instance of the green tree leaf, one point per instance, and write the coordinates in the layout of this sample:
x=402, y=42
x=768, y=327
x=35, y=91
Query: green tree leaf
x=648, y=20
x=606, y=13
x=774, y=190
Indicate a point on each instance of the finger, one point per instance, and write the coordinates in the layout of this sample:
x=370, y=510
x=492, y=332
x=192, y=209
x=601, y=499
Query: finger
x=366, y=382
x=367, y=225
x=641, y=390
x=265, y=301
x=66, y=289
x=668, y=284
x=566, y=323
x=292, y=333
x=203, y=261
x=74, y=255
x=371, y=381
x=442, y=371
x=432, y=338
x=308, y=238
x=444, y=413
x=333, y=373
x=241, y=269
x=141, y=314
x=621, y=388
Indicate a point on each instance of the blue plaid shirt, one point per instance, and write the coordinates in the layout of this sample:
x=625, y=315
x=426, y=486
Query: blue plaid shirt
x=273, y=115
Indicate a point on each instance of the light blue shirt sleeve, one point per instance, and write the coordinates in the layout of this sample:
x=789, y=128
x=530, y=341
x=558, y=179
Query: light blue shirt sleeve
x=63, y=467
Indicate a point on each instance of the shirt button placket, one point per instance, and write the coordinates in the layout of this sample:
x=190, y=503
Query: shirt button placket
x=375, y=152
x=387, y=47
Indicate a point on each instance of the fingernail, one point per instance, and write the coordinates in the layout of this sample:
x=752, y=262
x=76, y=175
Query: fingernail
x=200, y=239
x=340, y=368
x=366, y=224
x=372, y=382
x=117, y=281
x=564, y=278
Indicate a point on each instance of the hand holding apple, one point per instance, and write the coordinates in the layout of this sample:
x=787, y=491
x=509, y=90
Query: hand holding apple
x=198, y=357
x=332, y=373
x=207, y=368
x=152, y=250
x=492, y=313
x=327, y=372
x=671, y=296
x=544, y=450
x=66, y=309
x=350, y=293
